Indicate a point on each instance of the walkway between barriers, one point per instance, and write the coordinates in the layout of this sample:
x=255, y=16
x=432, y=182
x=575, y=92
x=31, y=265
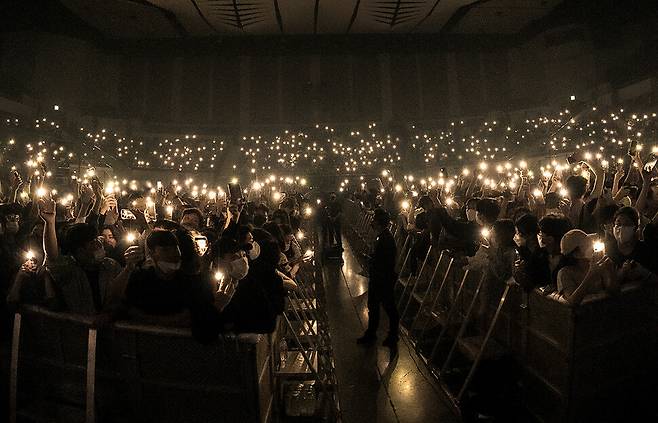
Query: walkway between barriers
x=372, y=386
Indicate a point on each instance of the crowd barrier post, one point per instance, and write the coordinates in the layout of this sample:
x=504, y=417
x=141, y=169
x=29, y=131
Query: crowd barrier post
x=427, y=290
x=408, y=279
x=485, y=341
x=416, y=282
x=464, y=324
x=91, y=376
x=451, y=311
x=13, y=378
x=436, y=298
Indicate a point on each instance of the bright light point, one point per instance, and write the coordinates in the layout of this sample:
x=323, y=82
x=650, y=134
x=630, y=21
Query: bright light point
x=599, y=246
x=485, y=232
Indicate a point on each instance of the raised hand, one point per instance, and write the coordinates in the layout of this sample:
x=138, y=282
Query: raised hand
x=47, y=208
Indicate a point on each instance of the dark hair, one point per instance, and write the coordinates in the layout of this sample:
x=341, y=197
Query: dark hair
x=527, y=225
x=576, y=185
x=425, y=202
x=166, y=224
x=381, y=217
x=555, y=225
x=421, y=221
x=243, y=230
x=269, y=256
x=193, y=210
x=488, y=209
x=161, y=239
x=505, y=231
x=274, y=230
x=606, y=214
x=227, y=245
x=261, y=235
x=78, y=235
x=630, y=213
x=552, y=200
x=286, y=229
x=259, y=220
x=281, y=215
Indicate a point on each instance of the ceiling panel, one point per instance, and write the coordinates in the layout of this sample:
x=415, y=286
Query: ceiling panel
x=441, y=14
x=204, y=18
x=334, y=16
x=123, y=18
x=503, y=16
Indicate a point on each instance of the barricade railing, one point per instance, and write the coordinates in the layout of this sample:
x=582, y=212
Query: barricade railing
x=550, y=340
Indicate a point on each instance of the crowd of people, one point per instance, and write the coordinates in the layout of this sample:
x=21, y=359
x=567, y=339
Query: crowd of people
x=575, y=229
x=216, y=262
x=565, y=200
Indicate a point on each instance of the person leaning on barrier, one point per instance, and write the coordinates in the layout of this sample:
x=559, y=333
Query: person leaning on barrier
x=162, y=293
x=84, y=279
x=531, y=268
x=635, y=259
x=381, y=282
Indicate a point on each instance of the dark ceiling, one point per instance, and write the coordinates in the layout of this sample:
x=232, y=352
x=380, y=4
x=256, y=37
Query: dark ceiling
x=139, y=19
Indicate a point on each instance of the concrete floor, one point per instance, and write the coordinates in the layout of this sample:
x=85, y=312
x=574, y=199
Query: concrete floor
x=372, y=385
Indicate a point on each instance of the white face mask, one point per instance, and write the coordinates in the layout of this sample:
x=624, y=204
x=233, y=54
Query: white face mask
x=168, y=268
x=255, y=251
x=624, y=234
x=471, y=214
x=239, y=268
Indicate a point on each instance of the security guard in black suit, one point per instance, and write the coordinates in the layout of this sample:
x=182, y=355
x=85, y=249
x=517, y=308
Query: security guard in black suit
x=382, y=281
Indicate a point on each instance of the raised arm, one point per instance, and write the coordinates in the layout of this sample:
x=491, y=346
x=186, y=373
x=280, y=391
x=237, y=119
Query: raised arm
x=47, y=213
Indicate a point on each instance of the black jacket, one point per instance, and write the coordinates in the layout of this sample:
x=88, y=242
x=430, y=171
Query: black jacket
x=382, y=261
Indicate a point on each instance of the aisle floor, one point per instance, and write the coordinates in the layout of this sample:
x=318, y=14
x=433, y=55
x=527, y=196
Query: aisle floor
x=372, y=385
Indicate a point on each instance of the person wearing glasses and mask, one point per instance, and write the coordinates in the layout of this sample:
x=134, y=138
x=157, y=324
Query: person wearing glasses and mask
x=633, y=258
x=165, y=293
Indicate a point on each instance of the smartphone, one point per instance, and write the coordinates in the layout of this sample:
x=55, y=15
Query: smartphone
x=127, y=215
x=632, y=148
x=651, y=163
x=201, y=243
x=235, y=192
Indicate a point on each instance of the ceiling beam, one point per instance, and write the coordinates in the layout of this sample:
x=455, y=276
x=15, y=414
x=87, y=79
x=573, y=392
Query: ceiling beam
x=459, y=15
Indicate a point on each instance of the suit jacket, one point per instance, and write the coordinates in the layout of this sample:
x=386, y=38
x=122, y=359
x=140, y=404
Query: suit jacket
x=382, y=261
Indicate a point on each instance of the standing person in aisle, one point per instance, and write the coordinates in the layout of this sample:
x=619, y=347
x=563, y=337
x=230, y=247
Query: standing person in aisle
x=335, y=213
x=381, y=283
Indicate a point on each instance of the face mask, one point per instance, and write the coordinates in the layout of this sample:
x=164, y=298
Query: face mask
x=255, y=251
x=99, y=255
x=168, y=268
x=624, y=234
x=239, y=268
x=12, y=227
x=471, y=214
